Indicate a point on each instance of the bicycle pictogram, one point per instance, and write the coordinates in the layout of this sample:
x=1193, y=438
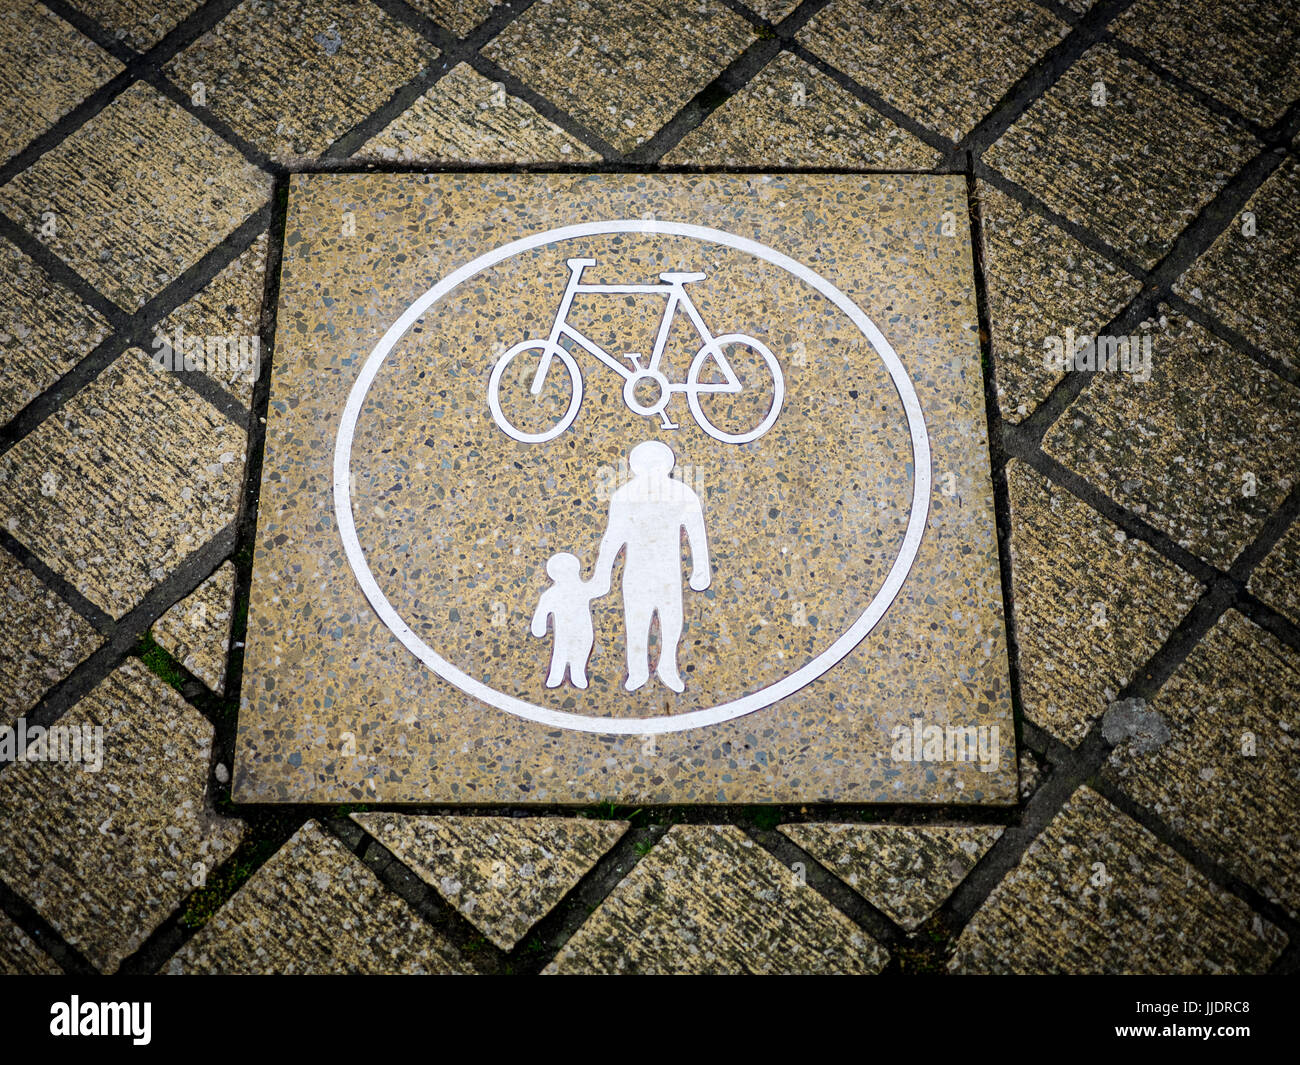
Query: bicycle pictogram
x=646, y=390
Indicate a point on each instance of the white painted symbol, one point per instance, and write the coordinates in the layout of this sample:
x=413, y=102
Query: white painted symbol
x=666, y=723
x=646, y=390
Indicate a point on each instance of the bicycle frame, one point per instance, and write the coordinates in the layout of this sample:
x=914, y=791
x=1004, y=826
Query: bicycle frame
x=677, y=297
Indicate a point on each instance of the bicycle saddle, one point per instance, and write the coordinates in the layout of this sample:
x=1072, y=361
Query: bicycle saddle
x=679, y=275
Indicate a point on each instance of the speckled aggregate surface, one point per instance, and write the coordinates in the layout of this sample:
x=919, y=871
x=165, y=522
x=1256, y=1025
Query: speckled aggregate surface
x=1098, y=893
x=140, y=23
x=905, y=872
x=709, y=900
x=803, y=522
x=503, y=874
x=1134, y=169
x=105, y=856
x=72, y=489
x=20, y=956
x=1275, y=578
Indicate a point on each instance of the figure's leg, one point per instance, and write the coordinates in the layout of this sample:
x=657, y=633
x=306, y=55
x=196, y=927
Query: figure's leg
x=578, y=661
x=636, y=623
x=556, y=676
x=670, y=633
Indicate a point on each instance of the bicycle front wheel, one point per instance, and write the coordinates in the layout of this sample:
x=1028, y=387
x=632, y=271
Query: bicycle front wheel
x=531, y=415
x=734, y=404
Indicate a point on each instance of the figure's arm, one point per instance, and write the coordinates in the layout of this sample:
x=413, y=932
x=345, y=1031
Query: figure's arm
x=610, y=545
x=540, y=617
x=698, y=540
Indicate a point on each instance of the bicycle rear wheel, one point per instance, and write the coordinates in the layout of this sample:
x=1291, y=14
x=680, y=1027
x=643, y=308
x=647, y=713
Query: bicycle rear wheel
x=511, y=370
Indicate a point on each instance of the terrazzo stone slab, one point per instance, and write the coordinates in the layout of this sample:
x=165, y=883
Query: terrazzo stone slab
x=459, y=16
x=465, y=118
x=772, y=10
x=1097, y=893
x=313, y=908
x=1040, y=282
x=106, y=855
x=791, y=114
x=1248, y=279
x=907, y=873
x=1276, y=579
x=806, y=499
x=1135, y=170
x=709, y=900
x=197, y=629
x=132, y=475
x=1203, y=454
x=225, y=316
x=503, y=874
x=44, y=330
x=140, y=23
x=293, y=76
x=46, y=69
x=1092, y=604
x=622, y=70
x=136, y=196
x=1226, y=778
x=19, y=956
x=1244, y=54
x=945, y=65
x=47, y=638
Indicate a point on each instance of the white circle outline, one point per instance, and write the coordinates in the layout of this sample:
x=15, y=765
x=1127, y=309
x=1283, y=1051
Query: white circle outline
x=662, y=724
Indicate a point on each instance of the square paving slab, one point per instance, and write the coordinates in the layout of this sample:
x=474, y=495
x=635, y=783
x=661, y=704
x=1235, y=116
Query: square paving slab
x=655, y=489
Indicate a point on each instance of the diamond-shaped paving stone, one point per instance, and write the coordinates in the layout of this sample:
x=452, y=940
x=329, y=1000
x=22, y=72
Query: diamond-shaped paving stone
x=1040, y=282
x=19, y=956
x=1098, y=893
x=127, y=479
x=294, y=76
x=465, y=118
x=459, y=16
x=46, y=69
x=1252, y=282
x=197, y=629
x=945, y=65
x=503, y=874
x=314, y=908
x=1245, y=54
x=1092, y=604
x=1205, y=450
x=710, y=900
x=1226, y=780
x=1276, y=580
x=1135, y=171
x=227, y=313
x=105, y=856
x=139, y=194
x=140, y=23
x=791, y=114
x=907, y=873
x=622, y=70
x=46, y=638
x=44, y=330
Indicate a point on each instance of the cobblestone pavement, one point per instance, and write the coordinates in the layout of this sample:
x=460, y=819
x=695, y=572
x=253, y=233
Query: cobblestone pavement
x=1132, y=171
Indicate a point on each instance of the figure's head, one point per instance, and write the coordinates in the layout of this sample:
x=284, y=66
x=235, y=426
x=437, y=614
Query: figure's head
x=563, y=566
x=652, y=458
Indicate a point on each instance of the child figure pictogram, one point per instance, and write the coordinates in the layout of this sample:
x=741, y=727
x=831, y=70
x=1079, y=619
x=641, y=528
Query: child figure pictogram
x=567, y=604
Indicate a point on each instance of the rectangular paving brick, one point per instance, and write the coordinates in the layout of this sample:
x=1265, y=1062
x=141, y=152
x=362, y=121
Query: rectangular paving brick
x=398, y=648
x=1122, y=153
